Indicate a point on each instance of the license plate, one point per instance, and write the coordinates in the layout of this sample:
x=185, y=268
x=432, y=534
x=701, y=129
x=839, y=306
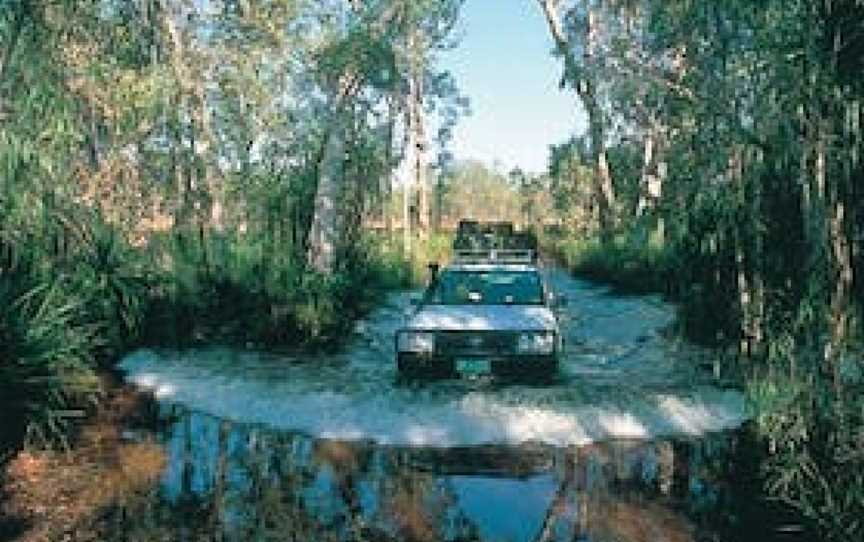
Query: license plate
x=473, y=366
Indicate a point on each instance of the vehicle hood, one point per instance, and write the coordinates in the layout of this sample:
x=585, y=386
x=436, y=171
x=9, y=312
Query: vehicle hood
x=483, y=318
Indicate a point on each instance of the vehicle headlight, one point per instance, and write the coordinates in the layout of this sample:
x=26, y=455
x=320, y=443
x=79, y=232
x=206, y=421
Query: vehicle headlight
x=536, y=343
x=420, y=342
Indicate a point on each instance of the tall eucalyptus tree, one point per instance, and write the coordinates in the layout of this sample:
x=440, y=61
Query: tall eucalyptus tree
x=577, y=31
x=388, y=47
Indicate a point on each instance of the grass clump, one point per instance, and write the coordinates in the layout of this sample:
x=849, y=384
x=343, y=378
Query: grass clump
x=233, y=289
x=69, y=308
x=811, y=432
x=47, y=353
x=627, y=263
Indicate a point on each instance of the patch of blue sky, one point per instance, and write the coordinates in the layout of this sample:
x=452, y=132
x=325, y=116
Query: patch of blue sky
x=504, y=65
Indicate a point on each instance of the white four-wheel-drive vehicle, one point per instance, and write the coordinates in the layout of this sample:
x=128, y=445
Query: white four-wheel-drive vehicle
x=488, y=312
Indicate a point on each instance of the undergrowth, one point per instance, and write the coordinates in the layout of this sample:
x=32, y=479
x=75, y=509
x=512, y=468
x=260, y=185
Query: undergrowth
x=629, y=265
x=68, y=313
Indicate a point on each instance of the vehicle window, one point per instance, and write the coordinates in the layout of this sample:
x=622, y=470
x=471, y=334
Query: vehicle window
x=486, y=288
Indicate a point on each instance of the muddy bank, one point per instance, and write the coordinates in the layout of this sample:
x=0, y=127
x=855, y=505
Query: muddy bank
x=62, y=494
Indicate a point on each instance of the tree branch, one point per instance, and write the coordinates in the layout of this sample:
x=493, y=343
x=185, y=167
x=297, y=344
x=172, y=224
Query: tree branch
x=572, y=73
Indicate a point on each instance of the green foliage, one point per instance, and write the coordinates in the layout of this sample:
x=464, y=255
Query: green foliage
x=815, y=448
x=112, y=280
x=234, y=290
x=386, y=262
x=46, y=357
x=629, y=264
x=75, y=300
x=436, y=249
x=472, y=190
x=571, y=185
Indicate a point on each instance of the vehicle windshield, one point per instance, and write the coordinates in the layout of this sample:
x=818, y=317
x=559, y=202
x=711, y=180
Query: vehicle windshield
x=486, y=288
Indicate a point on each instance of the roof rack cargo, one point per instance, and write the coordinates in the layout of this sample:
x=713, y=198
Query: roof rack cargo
x=494, y=255
x=475, y=235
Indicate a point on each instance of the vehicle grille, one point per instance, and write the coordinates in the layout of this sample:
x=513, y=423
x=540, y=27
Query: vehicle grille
x=474, y=343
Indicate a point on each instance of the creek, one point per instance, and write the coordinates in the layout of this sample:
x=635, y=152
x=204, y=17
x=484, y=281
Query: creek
x=632, y=441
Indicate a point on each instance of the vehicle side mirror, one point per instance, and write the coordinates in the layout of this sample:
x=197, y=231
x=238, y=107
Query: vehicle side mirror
x=434, y=267
x=560, y=301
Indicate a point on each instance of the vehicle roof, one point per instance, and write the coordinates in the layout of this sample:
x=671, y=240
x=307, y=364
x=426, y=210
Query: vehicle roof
x=491, y=267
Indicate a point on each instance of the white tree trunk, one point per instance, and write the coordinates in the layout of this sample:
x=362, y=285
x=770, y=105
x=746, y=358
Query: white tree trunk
x=653, y=176
x=653, y=173
x=408, y=179
x=417, y=126
x=325, y=233
x=204, y=152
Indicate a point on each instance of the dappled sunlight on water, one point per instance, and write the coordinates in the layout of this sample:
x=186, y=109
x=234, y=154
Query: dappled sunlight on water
x=565, y=413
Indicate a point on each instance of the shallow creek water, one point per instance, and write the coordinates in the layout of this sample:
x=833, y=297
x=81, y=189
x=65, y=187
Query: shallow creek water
x=631, y=442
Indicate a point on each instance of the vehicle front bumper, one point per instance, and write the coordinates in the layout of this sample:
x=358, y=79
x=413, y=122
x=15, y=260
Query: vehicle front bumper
x=443, y=366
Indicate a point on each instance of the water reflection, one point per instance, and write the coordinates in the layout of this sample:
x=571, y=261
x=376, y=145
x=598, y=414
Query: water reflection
x=228, y=481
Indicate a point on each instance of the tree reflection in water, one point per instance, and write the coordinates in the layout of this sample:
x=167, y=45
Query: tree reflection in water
x=227, y=481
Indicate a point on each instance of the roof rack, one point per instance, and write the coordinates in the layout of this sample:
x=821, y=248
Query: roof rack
x=495, y=255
